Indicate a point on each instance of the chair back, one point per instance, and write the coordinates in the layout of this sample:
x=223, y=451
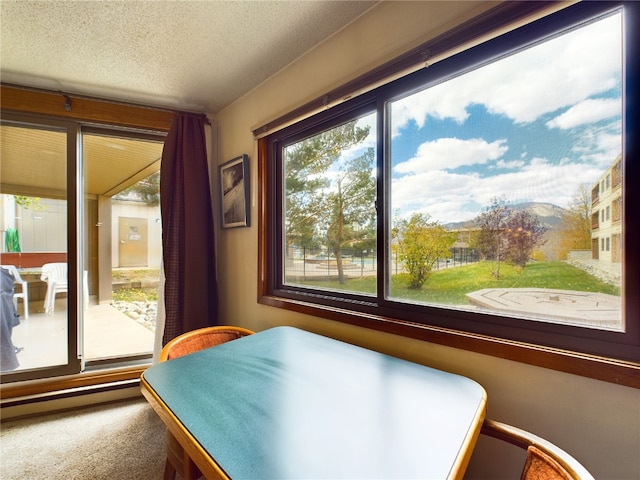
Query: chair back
x=189, y=342
x=54, y=272
x=195, y=340
x=545, y=461
x=14, y=273
x=24, y=288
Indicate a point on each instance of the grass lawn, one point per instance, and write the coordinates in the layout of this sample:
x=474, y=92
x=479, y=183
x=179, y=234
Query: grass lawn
x=449, y=286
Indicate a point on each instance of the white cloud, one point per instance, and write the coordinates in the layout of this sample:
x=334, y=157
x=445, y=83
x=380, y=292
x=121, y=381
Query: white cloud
x=449, y=197
x=587, y=111
x=449, y=153
x=599, y=146
x=536, y=81
x=558, y=76
x=509, y=164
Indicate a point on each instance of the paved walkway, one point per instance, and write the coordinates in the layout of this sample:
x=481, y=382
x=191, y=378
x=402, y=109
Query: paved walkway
x=598, y=310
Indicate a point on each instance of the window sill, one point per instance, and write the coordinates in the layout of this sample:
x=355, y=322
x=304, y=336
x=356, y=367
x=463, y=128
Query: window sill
x=590, y=366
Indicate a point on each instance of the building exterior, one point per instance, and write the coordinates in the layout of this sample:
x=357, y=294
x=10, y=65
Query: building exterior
x=606, y=215
x=136, y=230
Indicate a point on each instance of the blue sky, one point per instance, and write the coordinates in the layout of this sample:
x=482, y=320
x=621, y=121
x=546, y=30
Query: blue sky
x=532, y=127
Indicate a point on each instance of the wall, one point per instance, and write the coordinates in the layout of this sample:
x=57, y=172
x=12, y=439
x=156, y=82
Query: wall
x=598, y=422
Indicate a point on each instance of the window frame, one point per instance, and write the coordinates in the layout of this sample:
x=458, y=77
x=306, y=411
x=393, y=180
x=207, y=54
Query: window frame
x=604, y=355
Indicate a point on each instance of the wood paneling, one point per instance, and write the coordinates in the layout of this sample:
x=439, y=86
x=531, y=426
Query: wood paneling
x=83, y=109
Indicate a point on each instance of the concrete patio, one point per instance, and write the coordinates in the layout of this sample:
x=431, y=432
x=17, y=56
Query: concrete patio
x=589, y=309
x=107, y=333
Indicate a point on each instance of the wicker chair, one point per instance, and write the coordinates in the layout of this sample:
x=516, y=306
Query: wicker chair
x=545, y=461
x=177, y=459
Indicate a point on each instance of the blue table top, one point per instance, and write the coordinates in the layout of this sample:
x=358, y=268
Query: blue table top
x=288, y=404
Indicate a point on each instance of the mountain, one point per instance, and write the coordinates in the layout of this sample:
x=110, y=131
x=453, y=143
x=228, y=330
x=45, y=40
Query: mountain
x=550, y=215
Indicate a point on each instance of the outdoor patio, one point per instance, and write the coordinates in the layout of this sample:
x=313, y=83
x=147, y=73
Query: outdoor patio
x=107, y=333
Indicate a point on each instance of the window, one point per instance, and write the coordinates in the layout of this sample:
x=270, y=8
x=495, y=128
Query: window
x=466, y=196
x=329, y=222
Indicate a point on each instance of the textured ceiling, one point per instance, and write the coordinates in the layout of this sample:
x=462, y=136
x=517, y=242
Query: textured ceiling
x=189, y=55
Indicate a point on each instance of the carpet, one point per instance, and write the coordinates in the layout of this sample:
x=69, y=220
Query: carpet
x=123, y=440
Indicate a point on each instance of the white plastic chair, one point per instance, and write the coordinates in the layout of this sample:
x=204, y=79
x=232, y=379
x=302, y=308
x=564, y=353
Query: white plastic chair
x=55, y=274
x=24, y=293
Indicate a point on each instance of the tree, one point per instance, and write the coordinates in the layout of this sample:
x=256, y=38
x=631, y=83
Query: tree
x=523, y=234
x=350, y=206
x=306, y=185
x=507, y=235
x=330, y=199
x=576, y=223
x=420, y=244
x=30, y=203
x=491, y=239
x=147, y=189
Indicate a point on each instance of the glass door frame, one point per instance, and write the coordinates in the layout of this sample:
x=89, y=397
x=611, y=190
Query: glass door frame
x=116, y=132
x=73, y=363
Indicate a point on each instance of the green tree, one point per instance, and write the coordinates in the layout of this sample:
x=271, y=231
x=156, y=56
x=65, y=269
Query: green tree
x=147, y=189
x=350, y=205
x=30, y=203
x=329, y=200
x=576, y=223
x=420, y=244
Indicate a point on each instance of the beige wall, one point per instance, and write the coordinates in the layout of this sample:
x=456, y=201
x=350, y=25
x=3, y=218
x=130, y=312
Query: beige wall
x=598, y=422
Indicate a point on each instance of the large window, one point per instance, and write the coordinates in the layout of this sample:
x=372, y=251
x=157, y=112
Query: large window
x=488, y=194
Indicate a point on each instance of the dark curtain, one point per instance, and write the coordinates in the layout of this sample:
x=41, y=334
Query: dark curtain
x=191, y=292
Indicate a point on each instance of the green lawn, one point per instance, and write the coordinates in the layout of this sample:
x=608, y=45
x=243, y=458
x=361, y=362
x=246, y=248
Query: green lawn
x=449, y=286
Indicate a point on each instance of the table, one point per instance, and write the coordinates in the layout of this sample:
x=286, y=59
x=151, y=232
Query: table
x=288, y=404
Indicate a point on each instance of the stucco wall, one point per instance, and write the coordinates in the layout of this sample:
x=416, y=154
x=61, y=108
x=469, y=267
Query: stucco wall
x=598, y=422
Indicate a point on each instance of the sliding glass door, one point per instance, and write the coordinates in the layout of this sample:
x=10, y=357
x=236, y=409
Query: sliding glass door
x=81, y=240
x=122, y=243
x=39, y=335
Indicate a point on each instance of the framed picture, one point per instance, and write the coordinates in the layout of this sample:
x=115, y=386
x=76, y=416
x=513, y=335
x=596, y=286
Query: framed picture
x=234, y=188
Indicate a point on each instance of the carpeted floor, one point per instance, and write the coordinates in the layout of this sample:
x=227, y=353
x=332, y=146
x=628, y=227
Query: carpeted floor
x=124, y=440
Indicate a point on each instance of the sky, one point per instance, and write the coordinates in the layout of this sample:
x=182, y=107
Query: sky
x=531, y=127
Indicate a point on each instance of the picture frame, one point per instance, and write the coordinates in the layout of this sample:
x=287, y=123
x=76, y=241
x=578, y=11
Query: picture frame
x=234, y=192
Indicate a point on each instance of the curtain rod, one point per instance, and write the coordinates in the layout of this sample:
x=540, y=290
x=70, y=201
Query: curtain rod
x=68, y=96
